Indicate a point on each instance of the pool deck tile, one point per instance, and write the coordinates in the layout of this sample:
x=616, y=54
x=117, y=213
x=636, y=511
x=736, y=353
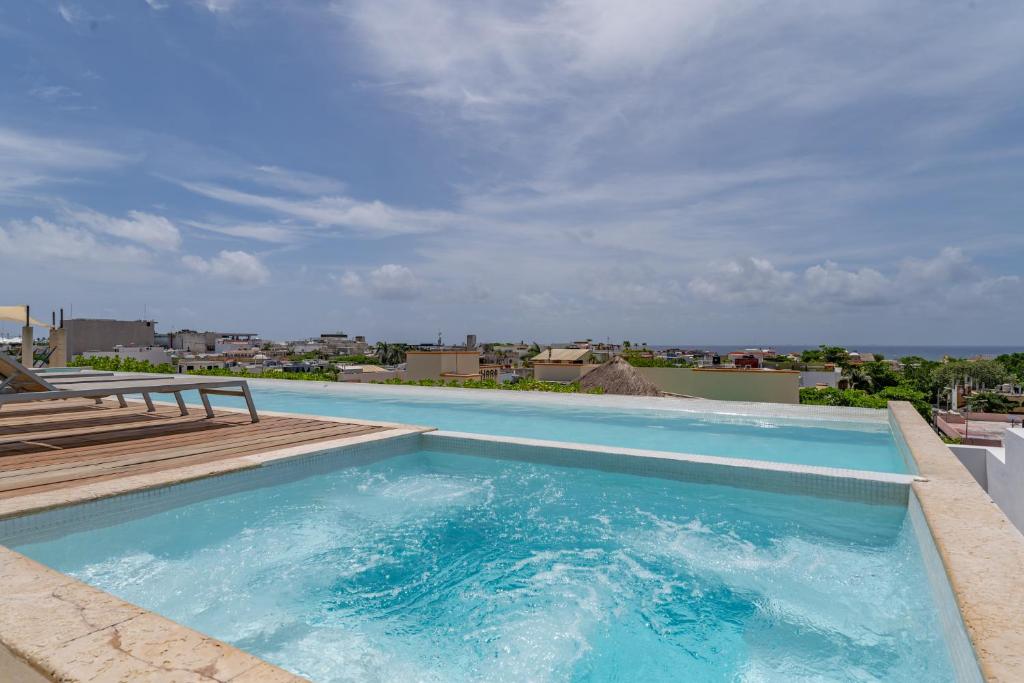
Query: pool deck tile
x=983, y=553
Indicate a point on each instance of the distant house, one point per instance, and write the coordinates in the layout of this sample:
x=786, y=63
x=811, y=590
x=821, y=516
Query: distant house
x=366, y=373
x=190, y=364
x=562, y=365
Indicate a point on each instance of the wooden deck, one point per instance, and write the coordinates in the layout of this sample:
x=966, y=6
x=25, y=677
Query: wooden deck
x=45, y=446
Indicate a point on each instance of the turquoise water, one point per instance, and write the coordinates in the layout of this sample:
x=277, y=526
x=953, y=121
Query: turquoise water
x=868, y=448
x=441, y=567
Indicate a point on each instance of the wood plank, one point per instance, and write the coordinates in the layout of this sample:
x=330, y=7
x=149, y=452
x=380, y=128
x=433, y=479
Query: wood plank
x=197, y=443
x=23, y=479
x=44, y=447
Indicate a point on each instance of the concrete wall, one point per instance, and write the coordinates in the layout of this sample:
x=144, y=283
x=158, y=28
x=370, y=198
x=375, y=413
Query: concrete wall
x=86, y=334
x=436, y=364
x=811, y=378
x=1000, y=471
x=561, y=372
x=58, y=342
x=762, y=386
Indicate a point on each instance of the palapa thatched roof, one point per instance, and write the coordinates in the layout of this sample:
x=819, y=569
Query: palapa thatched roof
x=619, y=377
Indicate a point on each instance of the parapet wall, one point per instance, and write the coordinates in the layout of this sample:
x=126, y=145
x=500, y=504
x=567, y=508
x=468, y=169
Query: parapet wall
x=725, y=384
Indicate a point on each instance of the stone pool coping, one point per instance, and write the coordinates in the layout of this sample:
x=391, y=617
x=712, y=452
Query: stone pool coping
x=56, y=628
x=981, y=551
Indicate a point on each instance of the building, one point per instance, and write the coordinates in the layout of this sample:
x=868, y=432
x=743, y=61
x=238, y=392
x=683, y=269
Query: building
x=190, y=364
x=340, y=344
x=367, y=373
x=307, y=346
x=562, y=365
x=75, y=336
x=151, y=354
x=230, y=343
x=442, y=365
x=190, y=341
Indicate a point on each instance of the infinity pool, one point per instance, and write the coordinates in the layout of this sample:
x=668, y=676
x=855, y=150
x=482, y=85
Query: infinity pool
x=440, y=567
x=863, y=446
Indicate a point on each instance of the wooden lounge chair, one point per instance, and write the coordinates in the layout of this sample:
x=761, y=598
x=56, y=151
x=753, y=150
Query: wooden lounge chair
x=19, y=384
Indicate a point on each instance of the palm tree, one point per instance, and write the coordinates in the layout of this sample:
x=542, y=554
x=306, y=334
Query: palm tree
x=390, y=354
x=395, y=354
x=857, y=378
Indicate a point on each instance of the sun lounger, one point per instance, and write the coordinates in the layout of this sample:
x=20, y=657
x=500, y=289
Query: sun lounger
x=19, y=384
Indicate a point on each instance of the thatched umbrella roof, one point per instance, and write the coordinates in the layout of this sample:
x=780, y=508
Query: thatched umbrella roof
x=617, y=376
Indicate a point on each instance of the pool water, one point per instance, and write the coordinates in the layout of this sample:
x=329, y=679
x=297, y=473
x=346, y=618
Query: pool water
x=441, y=567
x=867, y=446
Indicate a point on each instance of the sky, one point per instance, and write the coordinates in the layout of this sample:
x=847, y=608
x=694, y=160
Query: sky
x=663, y=171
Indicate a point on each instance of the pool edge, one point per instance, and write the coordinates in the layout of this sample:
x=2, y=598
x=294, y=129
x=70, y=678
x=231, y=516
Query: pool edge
x=981, y=552
x=56, y=628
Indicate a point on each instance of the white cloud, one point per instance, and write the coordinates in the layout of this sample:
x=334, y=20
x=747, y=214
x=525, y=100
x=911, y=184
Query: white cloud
x=37, y=151
x=275, y=233
x=389, y=281
x=72, y=14
x=749, y=280
x=42, y=241
x=155, y=232
x=53, y=93
x=392, y=281
x=370, y=218
x=238, y=267
x=296, y=181
x=830, y=284
x=947, y=277
x=219, y=6
x=157, y=4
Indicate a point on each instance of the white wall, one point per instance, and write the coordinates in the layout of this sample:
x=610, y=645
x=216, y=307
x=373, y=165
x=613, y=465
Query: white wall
x=154, y=354
x=1000, y=471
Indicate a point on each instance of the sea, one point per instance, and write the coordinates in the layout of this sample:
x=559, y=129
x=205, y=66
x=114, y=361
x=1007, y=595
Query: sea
x=932, y=352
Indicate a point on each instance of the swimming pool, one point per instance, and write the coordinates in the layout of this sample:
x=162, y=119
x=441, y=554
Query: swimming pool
x=432, y=565
x=851, y=444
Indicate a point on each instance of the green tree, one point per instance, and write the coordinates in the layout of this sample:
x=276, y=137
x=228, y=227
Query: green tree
x=857, y=378
x=981, y=373
x=391, y=354
x=1014, y=363
x=826, y=354
x=989, y=402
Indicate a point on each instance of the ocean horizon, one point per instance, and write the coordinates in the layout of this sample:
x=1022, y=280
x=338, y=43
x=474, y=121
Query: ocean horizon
x=931, y=352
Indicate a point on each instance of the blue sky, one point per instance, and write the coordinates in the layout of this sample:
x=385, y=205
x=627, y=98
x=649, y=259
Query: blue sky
x=668, y=172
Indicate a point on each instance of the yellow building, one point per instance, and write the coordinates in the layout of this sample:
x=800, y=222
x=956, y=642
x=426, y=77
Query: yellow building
x=562, y=365
x=442, y=365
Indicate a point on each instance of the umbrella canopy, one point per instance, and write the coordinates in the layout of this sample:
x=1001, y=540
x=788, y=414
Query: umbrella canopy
x=19, y=314
x=619, y=377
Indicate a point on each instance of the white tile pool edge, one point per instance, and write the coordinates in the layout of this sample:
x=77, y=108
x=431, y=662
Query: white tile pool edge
x=845, y=484
x=961, y=652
